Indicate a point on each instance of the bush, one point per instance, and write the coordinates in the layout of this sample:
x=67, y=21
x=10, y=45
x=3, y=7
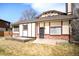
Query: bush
x=76, y=37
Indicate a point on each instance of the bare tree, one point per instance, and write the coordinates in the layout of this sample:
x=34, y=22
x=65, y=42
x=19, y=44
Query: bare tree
x=28, y=14
x=75, y=29
x=75, y=22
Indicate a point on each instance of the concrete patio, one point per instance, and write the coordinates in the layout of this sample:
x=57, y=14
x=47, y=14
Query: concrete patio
x=22, y=39
x=40, y=41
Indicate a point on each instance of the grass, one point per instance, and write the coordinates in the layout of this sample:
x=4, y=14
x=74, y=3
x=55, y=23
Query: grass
x=15, y=48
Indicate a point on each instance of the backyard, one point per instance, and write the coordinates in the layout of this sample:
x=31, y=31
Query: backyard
x=15, y=48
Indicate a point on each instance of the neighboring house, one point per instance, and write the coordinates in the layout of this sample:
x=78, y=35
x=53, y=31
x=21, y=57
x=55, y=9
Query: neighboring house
x=4, y=27
x=51, y=24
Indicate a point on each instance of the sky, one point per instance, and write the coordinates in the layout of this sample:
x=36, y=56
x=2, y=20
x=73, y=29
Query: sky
x=13, y=11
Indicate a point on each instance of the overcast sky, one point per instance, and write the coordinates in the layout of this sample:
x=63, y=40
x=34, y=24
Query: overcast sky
x=13, y=11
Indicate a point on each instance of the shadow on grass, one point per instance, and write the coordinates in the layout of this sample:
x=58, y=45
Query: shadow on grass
x=76, y=49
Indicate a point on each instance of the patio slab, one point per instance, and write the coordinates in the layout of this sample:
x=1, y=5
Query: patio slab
x=23, y=39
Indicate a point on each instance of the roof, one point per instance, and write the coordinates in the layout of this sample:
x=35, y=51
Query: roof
x=23, y=22
x=4, y=20
x=60, y=16
x=52, y=11
x=57, y=17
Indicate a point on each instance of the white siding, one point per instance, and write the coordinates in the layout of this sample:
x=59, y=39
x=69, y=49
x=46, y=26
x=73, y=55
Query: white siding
x=65, y=27
x=29, y=30
x=20, y=29
x=55, y=23
x=24, y=32
x=46, y=27
x=41, y=24
x=33, y=29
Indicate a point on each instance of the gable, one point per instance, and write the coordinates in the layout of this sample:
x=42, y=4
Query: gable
x=51, y=13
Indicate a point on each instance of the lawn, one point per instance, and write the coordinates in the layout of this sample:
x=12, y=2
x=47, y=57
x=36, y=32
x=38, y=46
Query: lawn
x=15, y=48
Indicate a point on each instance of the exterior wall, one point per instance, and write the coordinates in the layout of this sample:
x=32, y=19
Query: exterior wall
x=3, y=26
x=30, y=32
x=24, y=32
x=1, y=33
x=7, y=33
x=55, y=23
x=41, y=24
x=37, y=28
x=48, y=24
x=15, y=33
x=65, y=27
x=33, y=29
x=46, y=27
x=20, y=29
x=60, y=37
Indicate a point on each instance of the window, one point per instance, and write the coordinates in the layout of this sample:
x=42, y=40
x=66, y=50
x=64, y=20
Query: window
x=55, y=30
x=25, y=27
x=16, y=28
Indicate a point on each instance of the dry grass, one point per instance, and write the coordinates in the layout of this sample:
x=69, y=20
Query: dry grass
x=15, y=48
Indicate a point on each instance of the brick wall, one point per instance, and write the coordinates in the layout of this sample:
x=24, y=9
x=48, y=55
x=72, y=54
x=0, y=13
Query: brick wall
x=7, y=33
x=1, y=33
x=65, y=37
x=47, y=36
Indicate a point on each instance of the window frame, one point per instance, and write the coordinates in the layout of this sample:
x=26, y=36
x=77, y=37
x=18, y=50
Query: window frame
x=55, y=27
x=16, y=27
x=25, y=28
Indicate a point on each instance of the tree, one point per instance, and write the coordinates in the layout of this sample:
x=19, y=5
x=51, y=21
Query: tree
x=28, y=14
x=75, y=22
x=75, y=30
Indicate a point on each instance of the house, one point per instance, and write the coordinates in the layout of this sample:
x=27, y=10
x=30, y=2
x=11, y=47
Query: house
x=4, y=27
x=24, y=28
x=50, y=24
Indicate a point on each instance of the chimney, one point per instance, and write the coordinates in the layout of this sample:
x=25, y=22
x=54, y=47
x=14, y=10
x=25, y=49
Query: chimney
x=69, y=8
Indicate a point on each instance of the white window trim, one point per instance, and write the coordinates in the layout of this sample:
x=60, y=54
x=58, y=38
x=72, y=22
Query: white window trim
x=15, y=31
x=55, y=27
x=23, y=27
